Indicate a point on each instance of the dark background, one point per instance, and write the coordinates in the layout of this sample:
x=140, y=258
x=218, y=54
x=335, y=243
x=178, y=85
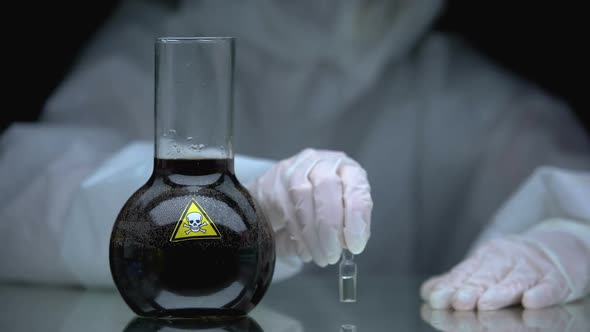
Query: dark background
x=540, y=41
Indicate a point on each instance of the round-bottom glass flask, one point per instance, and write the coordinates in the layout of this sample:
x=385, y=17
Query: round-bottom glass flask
x=191, y=242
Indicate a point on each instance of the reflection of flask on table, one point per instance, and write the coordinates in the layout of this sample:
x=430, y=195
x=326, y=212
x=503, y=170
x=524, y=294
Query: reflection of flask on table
x=347, y=277
x=246, y=324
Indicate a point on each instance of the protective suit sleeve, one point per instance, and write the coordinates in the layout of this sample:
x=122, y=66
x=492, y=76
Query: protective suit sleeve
x=44, y=167
x=549, y=193
x=60, y=197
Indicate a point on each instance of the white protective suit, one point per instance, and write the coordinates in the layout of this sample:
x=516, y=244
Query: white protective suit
x=444, y=135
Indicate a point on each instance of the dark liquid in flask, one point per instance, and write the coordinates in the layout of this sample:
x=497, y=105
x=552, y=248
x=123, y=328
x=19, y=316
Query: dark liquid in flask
x=164, y=268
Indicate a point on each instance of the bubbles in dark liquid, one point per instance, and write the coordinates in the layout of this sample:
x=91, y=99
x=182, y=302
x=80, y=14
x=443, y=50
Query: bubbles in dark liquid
x=197, y=277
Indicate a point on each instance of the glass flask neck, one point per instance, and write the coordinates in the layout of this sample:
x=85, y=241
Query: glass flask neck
x=194, y=99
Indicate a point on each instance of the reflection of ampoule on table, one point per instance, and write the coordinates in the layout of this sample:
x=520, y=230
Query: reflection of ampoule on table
x=347, y=277
x=348, y=328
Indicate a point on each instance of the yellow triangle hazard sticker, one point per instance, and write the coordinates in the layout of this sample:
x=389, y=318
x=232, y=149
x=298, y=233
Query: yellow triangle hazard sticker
x=194, y=224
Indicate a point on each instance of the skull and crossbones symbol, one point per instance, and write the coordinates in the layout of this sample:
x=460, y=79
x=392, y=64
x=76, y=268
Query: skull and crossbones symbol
x=195, y=223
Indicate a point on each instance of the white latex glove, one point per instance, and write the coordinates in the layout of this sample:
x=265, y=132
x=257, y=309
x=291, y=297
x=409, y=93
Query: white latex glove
x=547, y=265
x=318, y=202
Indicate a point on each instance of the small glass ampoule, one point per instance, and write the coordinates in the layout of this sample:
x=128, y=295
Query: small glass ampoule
x=347, y=277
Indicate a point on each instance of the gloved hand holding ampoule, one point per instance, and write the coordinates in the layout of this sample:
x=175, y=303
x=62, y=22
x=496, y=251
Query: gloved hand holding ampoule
x=319, y=202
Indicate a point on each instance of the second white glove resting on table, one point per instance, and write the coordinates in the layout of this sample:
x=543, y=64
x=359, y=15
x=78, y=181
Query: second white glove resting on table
x=544, y=265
